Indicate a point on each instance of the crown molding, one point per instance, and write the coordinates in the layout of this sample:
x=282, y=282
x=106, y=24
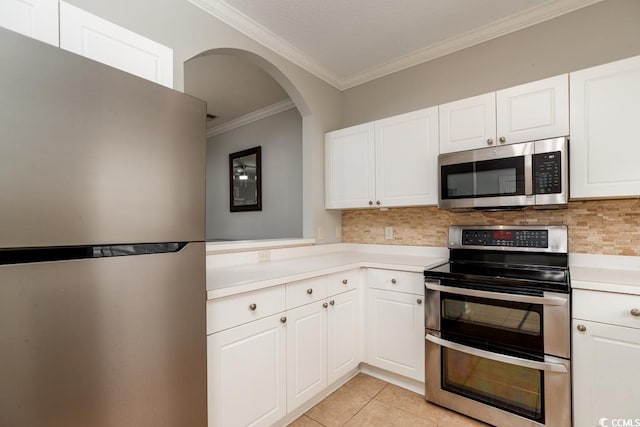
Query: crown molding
x=247, y=26
x=250, y=28
x=262, y=113
x=493, y=30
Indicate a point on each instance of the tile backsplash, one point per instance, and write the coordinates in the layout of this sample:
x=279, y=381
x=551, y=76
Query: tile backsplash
x=610, y=227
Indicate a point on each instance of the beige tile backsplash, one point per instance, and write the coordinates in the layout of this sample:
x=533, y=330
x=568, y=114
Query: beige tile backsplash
x=610, y=227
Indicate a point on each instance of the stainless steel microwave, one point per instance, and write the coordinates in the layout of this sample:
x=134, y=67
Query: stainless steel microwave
x=528, y=174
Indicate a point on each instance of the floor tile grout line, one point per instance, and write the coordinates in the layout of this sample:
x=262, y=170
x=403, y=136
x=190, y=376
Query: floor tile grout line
x=366, y=404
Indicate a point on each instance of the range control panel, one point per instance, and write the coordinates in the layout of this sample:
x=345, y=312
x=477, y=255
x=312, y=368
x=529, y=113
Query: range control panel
x=506, y=238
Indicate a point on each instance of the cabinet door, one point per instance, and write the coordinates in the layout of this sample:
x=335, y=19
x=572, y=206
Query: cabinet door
x=103, y=41
x=605, y=373
x=468, y=123
x=407, y=159
x=344, y=326
x=33, y=18
x=605, y=101
x=306, y=353
x=395, y=332
x=350, y=167
x=246, y=370
x=533, y=111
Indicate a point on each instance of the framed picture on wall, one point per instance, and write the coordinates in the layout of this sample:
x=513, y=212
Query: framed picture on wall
x=245, y=180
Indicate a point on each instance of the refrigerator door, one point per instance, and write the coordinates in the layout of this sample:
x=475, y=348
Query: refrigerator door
x=93, y=155
x=106, y=342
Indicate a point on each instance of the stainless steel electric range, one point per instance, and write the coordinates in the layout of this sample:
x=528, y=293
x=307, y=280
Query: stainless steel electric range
x=497, y=326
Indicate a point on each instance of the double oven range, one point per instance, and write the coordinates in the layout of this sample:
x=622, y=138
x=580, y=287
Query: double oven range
x=497, y=326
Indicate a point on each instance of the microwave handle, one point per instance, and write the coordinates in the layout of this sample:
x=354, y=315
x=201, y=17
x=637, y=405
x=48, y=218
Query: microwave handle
x=527, y=299
x=511, y=360
x=528, y=175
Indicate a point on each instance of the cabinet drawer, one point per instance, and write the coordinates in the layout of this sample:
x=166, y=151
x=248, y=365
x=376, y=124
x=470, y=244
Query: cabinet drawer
x=306, y=291
x=607, y=307
x=235, y=310
x=393, y=280
x=343, y=281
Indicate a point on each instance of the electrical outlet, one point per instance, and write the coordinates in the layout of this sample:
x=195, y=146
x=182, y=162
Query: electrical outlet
x=388, y=233
x=264, y=256
x=320, y=235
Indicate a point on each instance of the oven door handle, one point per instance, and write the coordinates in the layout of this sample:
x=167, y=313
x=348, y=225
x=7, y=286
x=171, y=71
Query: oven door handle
x=511, y=360
x=545, y=300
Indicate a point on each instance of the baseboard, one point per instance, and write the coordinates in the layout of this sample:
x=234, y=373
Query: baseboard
x=390, y=377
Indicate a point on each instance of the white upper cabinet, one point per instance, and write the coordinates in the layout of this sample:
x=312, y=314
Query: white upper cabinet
x=103, y=41
x=390, y=162
x=527, y=112
x=406, y=158
x=533, y=111
x=605, y=101
x=350, y=167
x=33, y=18
x=468, y=123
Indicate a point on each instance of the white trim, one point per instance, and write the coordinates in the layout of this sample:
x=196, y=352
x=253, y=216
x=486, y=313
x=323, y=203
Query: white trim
x=247, y=26
x=262, y=113
x=485, y=33
x=227, y=14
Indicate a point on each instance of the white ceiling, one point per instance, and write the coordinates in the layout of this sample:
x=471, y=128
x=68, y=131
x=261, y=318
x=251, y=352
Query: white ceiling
x=349, y=42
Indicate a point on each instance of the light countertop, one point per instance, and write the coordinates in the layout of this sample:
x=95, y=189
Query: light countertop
x=606, y=279
x=232, y=280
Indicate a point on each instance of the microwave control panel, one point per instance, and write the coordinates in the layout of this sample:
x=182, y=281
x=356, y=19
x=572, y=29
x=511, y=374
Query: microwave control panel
x=546, y=173
x=508, y=238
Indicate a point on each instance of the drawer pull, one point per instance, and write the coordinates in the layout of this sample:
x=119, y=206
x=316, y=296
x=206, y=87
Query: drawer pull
x=582, y=328
x=332, y=302
x=283, y=320
x=419, y=300
x=345, y=281
x=635, y=312
x=252, y=307
x=325, y=305
x=309, y=291
x=394, y=281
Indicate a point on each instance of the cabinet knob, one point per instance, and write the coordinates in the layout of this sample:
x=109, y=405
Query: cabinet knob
x=332, y=302
x=489, y=141
x=394, y=281
x=252, y=307
x=370, y=202
x=309, y=291
x=378, y=202
x=283, y=320
x=582, y=328
x=502, y=140
x=419, y=300
x=325, y=305
x=345, y=281
x=635, y=312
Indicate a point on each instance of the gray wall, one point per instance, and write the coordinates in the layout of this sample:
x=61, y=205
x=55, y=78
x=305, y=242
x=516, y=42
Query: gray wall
x=280, y=136
x=597, y=34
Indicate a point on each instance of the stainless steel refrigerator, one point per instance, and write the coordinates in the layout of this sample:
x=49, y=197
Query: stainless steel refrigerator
x=102, y=276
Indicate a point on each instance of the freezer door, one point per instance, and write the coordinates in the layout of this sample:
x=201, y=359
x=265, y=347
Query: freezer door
x=93, y=155
x=107, y=342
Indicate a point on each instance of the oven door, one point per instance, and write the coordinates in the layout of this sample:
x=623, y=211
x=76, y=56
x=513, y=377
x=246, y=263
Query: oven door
x=516, y=324
x=499, y=389
x=490, y=177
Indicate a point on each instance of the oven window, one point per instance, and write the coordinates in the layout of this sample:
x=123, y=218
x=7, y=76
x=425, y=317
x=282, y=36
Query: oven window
x=511, y=319
x=511, y=327
x=487, y=178
x=509, y=387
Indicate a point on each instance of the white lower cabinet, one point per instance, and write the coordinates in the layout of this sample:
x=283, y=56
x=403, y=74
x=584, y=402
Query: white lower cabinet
x=246, y=368
x=306, y=353
x=395, y=332
x=606, y=351
x=344, y=334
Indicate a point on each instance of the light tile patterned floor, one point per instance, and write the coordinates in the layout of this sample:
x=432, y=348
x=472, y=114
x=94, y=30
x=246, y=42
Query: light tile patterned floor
x=366, y=401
